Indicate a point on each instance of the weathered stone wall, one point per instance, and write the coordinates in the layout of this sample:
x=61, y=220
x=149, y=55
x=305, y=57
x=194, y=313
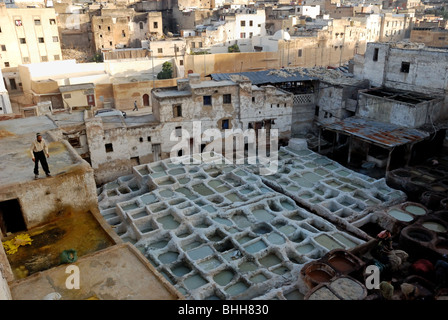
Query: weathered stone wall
x=396, y=112
x=130, y=147
x=427, y=71
x=44, y=199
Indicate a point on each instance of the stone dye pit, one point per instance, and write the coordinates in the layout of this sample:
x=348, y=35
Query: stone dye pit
x=220, y=231
x=328, y=189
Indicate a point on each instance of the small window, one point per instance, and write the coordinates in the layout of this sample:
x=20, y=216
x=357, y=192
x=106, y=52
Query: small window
x=52, y=21
x=67, y=95
x=108, y=28
x=160, y=50
x=149, y=139
x=37, y=22
x=253, y=99
x=251, y=23
x=300, y=52
x=44, y=58
x=193, y=45
x=177, y=110
x=155, y=25
x=110, y=43
x=405, y=67
x=74, y=142
x=18, y=23
x=243, y=35
x=3, y=47
x=225, y=124
x=141, y=25
x=56, y=57
x=200, y=44
x=41, y=40
x=243, y=23
x=207, y=100
x=181, y=62
x=227, y=99
x=375, y=54
x=109, y=147
x=26, y=60
x=55, y=39
x=178, y=131
x=140, y=139
x=22, y=40
x=6, y=64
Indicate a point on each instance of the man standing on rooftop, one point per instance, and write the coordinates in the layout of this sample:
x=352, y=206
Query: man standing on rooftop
x=39, y=152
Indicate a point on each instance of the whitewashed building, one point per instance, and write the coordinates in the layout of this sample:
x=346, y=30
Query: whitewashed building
x=5, y=104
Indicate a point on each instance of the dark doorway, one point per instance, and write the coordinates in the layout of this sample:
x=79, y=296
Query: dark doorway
x=11, y=218
x=13, y=84
x=146, y=100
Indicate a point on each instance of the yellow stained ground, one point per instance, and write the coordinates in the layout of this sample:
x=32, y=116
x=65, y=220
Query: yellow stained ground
x=79, y=231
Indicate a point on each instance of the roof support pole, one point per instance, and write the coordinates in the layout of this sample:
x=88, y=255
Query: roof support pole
x=409, y=155
x=388, y=159
x=349, y=149
x=318, y=145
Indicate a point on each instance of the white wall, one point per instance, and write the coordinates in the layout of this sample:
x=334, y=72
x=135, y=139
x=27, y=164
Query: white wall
x=46, y=70
x=257, y=19
x=311, y=11
x=5, y=104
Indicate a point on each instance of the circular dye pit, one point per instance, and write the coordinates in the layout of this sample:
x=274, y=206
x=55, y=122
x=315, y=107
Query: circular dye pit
x=442, y=247
x=400, y=215
x=419, y=235
x=434, y=226
x=319, y=272
x=348, y=289
x=415, y=210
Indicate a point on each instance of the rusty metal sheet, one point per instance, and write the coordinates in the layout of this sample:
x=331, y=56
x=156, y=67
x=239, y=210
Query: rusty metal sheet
x=386, y=134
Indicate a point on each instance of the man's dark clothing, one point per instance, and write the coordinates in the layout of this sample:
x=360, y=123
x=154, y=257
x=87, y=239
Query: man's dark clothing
x=40, y=156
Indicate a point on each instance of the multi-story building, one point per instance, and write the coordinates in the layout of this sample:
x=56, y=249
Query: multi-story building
x=28, y=35
x=248, y=23
x=401, y=4
x=117, y=28
x=396, y=27
x=336, y=10
x=432, y=34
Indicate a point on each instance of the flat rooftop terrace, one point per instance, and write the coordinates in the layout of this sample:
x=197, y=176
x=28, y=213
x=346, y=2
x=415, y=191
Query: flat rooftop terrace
x=115, y=273
x=16, y=137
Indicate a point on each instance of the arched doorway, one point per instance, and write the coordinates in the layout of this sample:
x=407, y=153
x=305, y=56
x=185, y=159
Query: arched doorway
x=146, y=100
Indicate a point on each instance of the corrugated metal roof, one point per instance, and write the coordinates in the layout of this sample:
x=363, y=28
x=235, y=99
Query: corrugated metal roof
x=267, y=76
x=385, y=134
